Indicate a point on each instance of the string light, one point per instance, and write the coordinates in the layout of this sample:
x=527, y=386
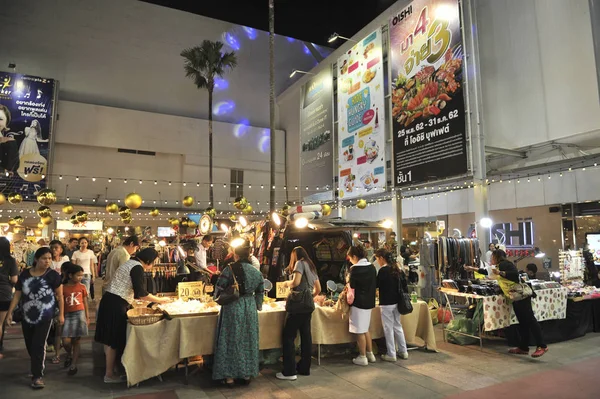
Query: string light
x=93, y=179
x=140, y=182
x=155, y=182
x=125, y=181
x=170, y=183
x=110, y=180
x=77, y=178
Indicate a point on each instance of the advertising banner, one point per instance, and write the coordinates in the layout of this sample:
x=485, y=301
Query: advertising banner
x=26, y=118
x=361, y=119
x=316, y=134
x=428, y=110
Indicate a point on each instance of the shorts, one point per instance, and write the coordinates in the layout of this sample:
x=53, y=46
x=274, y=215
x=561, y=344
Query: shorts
x=4, y=305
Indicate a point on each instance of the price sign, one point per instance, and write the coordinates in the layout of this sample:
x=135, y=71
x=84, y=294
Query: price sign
x=209, y=289
x=282, y=290
x=190, y=290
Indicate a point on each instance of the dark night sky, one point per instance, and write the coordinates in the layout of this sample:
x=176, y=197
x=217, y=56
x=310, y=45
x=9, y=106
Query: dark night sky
x=313, y=21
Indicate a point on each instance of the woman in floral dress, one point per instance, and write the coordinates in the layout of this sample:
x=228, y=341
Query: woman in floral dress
x=236, y=346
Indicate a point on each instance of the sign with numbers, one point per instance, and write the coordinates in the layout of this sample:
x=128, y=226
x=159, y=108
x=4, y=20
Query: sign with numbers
x=282, y=290
x=190, y=290
x=428, y=108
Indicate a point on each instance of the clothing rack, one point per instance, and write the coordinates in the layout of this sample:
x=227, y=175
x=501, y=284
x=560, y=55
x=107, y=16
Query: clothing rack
x=453, y=254
x=162, y=277
x=571, y=265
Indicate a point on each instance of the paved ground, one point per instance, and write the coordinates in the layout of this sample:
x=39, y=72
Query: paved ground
x=569, y=370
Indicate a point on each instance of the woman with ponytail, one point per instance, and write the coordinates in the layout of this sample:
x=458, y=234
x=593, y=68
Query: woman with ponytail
x=388, y=280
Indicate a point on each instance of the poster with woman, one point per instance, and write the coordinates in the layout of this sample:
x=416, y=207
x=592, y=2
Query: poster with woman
x=26, y=119
x=361, y=119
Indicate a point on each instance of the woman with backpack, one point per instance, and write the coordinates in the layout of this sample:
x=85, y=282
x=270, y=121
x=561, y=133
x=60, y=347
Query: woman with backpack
x=388, y=280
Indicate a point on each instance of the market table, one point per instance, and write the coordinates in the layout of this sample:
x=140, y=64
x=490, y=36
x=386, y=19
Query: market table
x=550, y=304
x=151, y=350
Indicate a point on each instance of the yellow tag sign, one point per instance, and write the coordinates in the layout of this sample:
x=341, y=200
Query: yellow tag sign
x=209, y=289
x=282, y=290
x=190, y=290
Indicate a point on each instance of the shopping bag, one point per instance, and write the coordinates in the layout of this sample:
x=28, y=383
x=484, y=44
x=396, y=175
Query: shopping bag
x=465, y=326
x=433, y=310
x=444, y=315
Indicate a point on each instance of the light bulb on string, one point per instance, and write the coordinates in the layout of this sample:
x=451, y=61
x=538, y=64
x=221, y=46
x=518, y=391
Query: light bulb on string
x=549, y=177
x=110, y=180
x=539, y=178
x=224, y=185
x=77, y=178
x=93, y=179
x=125, y=181
x=170, y=183
x=184, y=184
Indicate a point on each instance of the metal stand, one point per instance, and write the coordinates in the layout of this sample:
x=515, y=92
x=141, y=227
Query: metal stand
x=448, y=307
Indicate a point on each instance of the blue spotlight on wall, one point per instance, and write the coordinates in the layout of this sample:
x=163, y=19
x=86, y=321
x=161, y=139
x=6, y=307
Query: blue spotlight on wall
x=306, y=50
x=242, y=128
x=250, y=32
x=221, y=84
x=264, y=143
x=290, y=39
x=231, y=40
x=223, y=107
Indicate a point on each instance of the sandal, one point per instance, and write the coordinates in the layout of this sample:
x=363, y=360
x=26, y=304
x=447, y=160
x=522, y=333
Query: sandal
x=56, y=360
x=37, y=383
x=539, y=352
x=518, y=351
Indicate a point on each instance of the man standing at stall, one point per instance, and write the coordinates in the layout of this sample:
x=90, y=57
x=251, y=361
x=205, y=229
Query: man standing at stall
x=200, y=256
x=119, y=256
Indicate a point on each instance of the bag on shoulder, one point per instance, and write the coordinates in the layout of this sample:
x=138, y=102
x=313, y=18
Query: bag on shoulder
x=231, y=293
x=404, y=303
x=519, y=291
x=300, y=301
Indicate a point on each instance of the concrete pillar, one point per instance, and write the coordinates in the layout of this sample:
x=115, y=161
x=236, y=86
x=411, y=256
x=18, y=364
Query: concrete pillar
x=475, y=119
x=397, y=208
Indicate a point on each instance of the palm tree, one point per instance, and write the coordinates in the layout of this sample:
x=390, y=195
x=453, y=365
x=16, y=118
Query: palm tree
x=202, y=64
x=272, y=99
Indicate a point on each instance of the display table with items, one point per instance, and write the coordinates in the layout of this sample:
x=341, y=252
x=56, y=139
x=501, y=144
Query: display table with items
x=190, y=331
x=550, y=303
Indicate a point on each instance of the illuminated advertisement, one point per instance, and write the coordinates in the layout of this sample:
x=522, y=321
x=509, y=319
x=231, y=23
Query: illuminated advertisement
x=26, y=120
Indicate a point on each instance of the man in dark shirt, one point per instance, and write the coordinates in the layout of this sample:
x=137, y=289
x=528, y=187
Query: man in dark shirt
x=71, y=247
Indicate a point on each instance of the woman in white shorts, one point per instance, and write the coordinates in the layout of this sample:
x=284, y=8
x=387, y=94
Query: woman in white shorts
x=363, y=279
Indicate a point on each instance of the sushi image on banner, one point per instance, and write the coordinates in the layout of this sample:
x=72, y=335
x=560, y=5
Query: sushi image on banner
x=361, y=119
x=26, y=120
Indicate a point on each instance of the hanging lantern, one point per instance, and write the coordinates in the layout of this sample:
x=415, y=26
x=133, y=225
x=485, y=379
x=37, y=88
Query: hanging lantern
x=44, y=211
x=15, y=198
x=74, y=220
x=285, y=211
x=112, y=208
x=46, y=197
x=12, y=222
x=82, y=216
x=68, y=209
x=18, y=220
x=154, y=212
x=192, y=224
x=124, y=212
x=232, y=218
x=184, y=221
x=126, y=220
x=361, y=204
x=2, y=199
x=133, y=200
x=40, y=225
x=326, y=209
x=174, y=222
x=47, y=220
x=240, y=203
x=210, y=212
x=188, y=201
x=247, y=210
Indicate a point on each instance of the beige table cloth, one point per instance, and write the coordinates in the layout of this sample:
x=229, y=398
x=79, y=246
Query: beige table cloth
x=152, y=350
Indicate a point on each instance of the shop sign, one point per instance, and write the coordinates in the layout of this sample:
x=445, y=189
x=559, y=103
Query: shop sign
x=428, y=109
x=316, y=134
x=361, y=119
x=282, y=290
x=513, y=235
x=190, y=290
x=30, y=102
x=90, y=225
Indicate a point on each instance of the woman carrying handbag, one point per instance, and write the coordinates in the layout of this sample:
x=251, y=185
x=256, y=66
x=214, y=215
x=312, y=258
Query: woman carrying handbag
x=240, y=291
x=363, y=279
x=300, y=305
x=388, y=282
